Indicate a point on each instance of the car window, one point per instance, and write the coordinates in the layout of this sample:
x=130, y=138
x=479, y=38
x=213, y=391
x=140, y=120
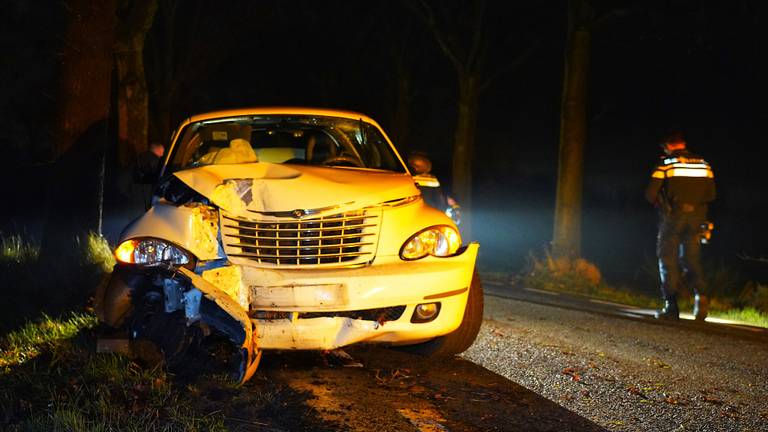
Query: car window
x=310, y=140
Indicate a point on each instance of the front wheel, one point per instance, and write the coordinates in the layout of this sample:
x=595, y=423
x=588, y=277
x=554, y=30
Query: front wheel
x=462, y=338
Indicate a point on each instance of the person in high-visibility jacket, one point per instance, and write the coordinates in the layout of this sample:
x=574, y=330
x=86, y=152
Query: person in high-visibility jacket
x=681, y=186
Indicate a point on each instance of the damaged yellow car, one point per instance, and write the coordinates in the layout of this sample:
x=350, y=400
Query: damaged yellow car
x=291, y=228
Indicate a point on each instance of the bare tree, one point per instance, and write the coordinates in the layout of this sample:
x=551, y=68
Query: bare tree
x=573, y=131
x=460, y=30
x=81, y=136
x=86, y=64
x=186, y=50
x=135, y=18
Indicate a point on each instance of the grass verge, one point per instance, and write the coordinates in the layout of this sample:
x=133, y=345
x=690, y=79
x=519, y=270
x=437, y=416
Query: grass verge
x=32, y=284
x=748, y=304
x=51, y=379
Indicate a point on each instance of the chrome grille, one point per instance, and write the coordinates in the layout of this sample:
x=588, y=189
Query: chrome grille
x=343, y=238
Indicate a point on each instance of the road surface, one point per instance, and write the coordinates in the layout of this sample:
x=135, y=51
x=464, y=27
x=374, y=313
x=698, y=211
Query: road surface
x=542, y=362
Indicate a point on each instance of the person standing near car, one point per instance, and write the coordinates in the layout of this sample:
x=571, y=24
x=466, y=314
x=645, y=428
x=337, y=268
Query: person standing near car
x=433, y=194
x=681, y=186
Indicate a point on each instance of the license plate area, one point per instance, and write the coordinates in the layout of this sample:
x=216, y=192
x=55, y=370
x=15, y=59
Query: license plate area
x=324, y=296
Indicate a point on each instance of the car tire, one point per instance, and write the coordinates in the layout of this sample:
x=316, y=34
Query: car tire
x=463, y=337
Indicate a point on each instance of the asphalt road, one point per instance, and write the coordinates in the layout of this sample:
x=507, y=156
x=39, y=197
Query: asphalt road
x=542, y=362
x=395, y=391
x=622, y=369
x=583, y=304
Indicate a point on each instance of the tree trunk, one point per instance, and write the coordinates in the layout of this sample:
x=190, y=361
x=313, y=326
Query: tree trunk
x=566, y=240
x=132, y=96
x=82, y=134
x=86, y=64
x=463, y=147
x=403, y=94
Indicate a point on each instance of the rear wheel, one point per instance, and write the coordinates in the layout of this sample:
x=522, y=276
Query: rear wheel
x=462, y=338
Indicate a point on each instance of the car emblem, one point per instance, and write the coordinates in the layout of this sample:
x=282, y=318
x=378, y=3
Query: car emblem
x=298, y=213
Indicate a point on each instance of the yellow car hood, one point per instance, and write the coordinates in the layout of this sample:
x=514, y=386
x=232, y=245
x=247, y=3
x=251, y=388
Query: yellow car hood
x=266, y=187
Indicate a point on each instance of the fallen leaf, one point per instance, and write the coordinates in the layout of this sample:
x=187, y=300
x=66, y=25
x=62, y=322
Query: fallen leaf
x=675, y=401
x=712, y=399
x=497, y=332
x=571, y=372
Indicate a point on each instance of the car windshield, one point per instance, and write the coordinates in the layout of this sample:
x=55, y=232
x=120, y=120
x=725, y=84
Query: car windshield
x=287, y=139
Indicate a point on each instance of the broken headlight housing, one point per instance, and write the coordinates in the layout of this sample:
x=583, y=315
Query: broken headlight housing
x=439, y=241
x=151, y=252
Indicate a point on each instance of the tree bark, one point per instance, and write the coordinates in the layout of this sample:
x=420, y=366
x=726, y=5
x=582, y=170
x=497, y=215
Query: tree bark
x=82, y=134
x=132, y=96
x=403, y=96
x=464, y=145
x=566, y=241
x=86, y=66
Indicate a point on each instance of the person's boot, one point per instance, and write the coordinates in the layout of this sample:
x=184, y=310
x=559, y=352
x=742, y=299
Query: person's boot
x=669, y=311
x=700, y=307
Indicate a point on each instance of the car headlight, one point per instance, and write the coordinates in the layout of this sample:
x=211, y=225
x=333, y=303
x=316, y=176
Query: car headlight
x=150, y=252
x=439, y=241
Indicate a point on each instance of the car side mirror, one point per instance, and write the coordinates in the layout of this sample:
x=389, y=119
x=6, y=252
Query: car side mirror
x=426, y=180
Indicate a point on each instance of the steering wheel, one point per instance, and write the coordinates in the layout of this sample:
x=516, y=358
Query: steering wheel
x=344, y=159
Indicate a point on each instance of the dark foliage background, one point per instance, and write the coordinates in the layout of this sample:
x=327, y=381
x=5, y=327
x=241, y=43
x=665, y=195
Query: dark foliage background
x=656, y=65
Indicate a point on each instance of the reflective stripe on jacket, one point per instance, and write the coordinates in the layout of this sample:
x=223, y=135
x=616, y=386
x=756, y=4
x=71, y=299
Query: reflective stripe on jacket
x=681, y=178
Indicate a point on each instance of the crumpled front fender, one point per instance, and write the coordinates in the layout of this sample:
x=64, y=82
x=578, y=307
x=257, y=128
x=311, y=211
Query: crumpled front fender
x=193, y=227
x=113, y=305
x=230, y=318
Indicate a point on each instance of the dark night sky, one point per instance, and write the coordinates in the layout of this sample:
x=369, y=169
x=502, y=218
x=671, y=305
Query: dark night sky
x=697, y=66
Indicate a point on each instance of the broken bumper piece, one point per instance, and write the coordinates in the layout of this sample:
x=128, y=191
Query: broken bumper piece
x=234, y=322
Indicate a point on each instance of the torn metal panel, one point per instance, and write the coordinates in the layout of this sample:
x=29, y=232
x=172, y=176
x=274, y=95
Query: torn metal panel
x=234, y=313
x=205, y=229
x=227, y=196
x=230, y=280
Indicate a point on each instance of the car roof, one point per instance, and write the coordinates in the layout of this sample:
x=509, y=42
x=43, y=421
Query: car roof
x=279, y=110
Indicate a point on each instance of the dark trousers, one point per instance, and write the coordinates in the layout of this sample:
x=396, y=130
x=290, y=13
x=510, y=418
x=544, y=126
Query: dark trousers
x=678, y=248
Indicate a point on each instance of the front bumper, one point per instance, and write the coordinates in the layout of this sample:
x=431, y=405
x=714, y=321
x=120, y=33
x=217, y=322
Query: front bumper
x=386, y=283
